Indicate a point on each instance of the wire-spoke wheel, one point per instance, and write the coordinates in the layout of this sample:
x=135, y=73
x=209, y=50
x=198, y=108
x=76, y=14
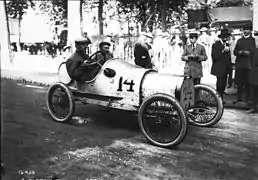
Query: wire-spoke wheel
x=60, y=102
x=162, y=120
x=208, y=108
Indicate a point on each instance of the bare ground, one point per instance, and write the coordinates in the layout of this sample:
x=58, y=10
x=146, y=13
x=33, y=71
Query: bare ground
x=111, y=146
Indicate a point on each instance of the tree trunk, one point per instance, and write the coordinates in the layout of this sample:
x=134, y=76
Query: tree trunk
x=164, y=15
x=5, y=49
x=100, y=17
x=74, y=27
x=19, y=34
x=81, y=17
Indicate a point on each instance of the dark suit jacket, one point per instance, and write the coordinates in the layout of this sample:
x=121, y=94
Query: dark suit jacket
x=221, y=61
x=194, y=67
x=75, y=67
x=244, y=61
x=141, y=55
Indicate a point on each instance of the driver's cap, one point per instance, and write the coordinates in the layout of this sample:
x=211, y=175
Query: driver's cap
x=82, y=40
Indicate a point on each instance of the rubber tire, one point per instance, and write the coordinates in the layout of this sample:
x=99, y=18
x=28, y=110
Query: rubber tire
x=220, y=109
x=182, y=113
x=71, y=102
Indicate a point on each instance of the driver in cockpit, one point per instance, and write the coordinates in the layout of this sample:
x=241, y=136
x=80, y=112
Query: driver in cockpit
x=75, y=65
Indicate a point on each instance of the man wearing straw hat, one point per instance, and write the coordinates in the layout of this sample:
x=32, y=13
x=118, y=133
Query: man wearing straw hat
x=193, y=56
x=221, y=61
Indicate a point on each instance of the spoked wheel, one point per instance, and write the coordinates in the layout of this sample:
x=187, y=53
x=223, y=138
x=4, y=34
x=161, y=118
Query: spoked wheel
x=208, y=108
x=162, y=120
x=60, y=102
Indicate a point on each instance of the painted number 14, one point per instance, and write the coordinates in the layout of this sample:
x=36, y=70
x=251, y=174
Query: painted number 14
x=128, y=83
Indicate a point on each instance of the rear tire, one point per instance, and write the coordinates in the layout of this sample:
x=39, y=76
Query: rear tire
x=153, y=116
x=208, y=108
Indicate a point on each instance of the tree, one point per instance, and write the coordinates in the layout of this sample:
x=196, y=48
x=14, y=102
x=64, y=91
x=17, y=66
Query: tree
x=57, y=11
x=5, y=50
x=100, y=4
x=100, y=16
x=228, y=3
x=152, y=12
x=16, y=9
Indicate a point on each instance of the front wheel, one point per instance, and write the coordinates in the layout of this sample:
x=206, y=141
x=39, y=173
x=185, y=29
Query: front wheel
x=162, y=120
x=60, y=102
x=208, y=108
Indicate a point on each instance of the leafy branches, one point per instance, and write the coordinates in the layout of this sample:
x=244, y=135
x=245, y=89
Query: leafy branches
x=152, y=12
x=17, y=8
x=228, y=3
x=56, y=10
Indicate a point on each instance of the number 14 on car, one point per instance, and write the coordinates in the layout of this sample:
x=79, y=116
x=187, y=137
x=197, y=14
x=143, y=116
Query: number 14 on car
x=127, y=83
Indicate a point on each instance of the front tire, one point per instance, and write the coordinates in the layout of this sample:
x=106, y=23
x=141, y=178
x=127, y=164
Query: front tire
x=60, y=102
x=208, y=108
x=162, y=120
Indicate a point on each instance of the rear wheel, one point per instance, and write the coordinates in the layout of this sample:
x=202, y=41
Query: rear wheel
x=208, y=108
x=60, y=102
x=162, y=120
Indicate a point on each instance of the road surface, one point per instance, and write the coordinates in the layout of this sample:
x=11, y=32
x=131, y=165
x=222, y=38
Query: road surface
x=111, y=146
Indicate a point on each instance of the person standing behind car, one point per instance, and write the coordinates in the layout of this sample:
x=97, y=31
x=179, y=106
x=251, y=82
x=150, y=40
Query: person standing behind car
x=221, y=61
x=244, y=52
x=141, y=51
x=193, y=56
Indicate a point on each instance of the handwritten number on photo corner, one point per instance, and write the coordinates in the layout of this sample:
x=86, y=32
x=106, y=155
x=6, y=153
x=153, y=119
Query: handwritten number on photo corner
x=128, y=83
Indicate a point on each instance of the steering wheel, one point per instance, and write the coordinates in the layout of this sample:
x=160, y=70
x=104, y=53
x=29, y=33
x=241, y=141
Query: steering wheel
x=99, y=62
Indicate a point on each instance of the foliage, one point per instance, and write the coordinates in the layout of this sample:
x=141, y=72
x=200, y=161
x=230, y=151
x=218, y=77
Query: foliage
x=17, y=8
x=57, y=11
x=228, y=3
x=149, y=12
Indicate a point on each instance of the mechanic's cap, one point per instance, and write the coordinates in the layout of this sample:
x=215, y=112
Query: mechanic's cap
x=82, y=40
x=104, y=43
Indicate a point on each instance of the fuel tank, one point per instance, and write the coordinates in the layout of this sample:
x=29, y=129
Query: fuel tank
x=154, y=82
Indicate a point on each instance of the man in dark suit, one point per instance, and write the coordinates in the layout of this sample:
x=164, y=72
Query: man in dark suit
x=221, y=61
x=193, y=56
x=244, y=52
x=141, y=51
x=254, y=82
x=75, y=65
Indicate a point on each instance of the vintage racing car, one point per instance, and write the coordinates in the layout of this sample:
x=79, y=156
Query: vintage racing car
x=165, y=103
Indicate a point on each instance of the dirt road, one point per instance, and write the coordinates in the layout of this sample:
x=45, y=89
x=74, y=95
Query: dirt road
x=111, y=146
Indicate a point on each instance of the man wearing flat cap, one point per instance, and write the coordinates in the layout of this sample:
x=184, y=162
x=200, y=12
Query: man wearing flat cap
x=244, y=52
x=221, y=61
x=76, y=68
x=193, y=56
x=103, y=54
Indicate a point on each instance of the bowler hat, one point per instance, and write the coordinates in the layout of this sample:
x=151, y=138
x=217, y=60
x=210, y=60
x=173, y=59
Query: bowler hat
x=224, y=33
x=247, y=28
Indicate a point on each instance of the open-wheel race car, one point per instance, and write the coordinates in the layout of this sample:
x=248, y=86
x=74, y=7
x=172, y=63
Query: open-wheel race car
x=165, y=103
